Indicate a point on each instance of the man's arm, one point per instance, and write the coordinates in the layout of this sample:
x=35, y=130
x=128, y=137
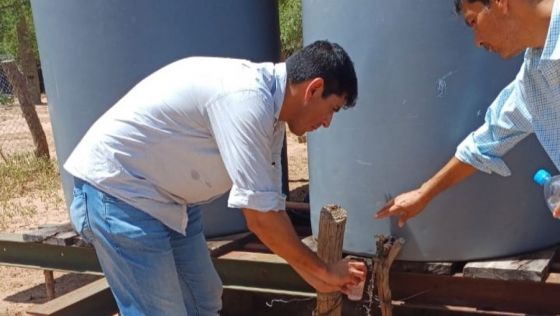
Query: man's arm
x=411, y=203
x=275, y=230
x=506, y=123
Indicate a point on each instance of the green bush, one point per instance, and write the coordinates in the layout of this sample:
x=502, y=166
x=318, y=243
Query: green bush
x=8, y=21
x=291, y=35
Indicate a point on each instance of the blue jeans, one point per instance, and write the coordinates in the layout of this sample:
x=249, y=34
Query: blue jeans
x=151, y=269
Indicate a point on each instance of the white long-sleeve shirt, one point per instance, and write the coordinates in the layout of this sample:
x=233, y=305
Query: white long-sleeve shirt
x=188, y=133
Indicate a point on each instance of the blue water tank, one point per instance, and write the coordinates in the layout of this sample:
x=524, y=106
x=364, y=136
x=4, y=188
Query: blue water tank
x=92, y=52
x=423, y=87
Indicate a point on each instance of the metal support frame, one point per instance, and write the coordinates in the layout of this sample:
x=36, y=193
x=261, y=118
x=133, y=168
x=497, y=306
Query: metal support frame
x=259, y=270
x=499, y=295
x=270, y=273
x=15, y=251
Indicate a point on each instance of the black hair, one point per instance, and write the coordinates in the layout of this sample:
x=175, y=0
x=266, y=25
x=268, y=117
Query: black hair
x=458, y=4
x=328, y=61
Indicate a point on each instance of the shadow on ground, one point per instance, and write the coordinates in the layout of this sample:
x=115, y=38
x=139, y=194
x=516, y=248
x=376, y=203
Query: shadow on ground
x=63, y=285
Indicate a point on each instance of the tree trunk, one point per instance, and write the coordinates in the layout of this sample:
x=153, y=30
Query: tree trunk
x=25, y=55
x=19, y=88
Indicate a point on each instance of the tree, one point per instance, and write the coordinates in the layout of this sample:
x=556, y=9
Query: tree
x=17, y=39
x=19, y=87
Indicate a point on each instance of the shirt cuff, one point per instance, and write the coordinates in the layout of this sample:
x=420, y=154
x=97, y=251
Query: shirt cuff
x=260, y=201
x=469, y=153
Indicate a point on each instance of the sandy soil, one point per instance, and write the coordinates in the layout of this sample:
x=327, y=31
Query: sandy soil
x=21, y=288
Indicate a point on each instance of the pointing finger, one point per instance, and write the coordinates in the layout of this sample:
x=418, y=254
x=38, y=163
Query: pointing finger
x=387, y=210
x=402, y=220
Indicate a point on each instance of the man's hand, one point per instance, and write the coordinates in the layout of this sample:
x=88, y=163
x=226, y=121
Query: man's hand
x=346, y=273
x=410, y=204
x=275, y=230
x=340, y=276
x=406, y=205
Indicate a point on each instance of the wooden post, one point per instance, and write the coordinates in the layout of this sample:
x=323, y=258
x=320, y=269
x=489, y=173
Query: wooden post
x=49, y=284
x=331, y=235
x=19, y=86
x=387, y=250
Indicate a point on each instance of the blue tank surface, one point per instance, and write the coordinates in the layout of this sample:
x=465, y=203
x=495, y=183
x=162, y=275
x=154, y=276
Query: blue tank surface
x=423, y=87
x=92, y=52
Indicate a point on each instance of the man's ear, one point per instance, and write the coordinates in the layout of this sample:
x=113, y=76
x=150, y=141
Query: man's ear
x=314, y=86
x=501, y=5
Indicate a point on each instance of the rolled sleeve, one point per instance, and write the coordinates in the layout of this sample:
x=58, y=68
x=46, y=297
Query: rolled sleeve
x=260, y=201
x=469, y=153
x=243, y=125
x=506, y=123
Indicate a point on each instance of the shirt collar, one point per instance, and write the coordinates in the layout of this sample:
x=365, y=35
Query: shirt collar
x=279, y=87
x=551, y=49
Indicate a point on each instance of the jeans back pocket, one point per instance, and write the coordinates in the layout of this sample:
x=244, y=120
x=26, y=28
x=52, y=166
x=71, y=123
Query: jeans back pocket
x=79, y=216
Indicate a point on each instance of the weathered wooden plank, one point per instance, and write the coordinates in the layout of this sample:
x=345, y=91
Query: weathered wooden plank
x=529, y=267
x=11, y=237
x=437, y=268
x=93, y=299
x=79, y=241
x=62, y=239
x=41, y=234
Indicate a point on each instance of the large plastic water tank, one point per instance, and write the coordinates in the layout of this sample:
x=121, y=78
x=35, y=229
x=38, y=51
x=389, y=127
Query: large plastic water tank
x=423, y=86
x=92, y=52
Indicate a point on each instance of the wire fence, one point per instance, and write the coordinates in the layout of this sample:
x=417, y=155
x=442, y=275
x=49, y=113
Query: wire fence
x=15, y=136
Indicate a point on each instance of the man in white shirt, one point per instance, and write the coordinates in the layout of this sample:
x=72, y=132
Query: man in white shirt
x=183, y=136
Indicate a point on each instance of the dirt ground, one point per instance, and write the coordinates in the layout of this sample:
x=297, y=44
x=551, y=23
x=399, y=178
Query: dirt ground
x=21, y=288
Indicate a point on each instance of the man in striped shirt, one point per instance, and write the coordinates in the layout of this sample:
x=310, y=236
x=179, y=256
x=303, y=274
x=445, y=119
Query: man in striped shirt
x=529, y=104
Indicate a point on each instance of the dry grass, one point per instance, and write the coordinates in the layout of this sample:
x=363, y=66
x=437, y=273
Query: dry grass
x=24, y=179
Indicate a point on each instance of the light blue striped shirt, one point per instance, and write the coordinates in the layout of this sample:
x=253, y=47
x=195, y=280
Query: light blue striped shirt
x=188, y=133
x=529, y=104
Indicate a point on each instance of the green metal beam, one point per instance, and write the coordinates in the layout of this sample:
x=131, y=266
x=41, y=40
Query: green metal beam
x=271, y=273
x=250, y=269
x=259, y=271
x=14, y=251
